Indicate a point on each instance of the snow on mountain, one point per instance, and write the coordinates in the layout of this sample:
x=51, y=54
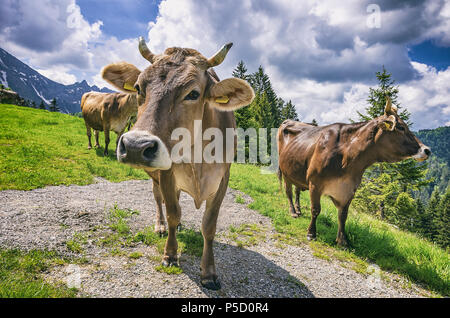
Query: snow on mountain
x=31, y=85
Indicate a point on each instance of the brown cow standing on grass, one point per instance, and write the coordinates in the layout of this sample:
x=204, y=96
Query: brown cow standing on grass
x=331, y=160
x=105, y=112
x=177, y=89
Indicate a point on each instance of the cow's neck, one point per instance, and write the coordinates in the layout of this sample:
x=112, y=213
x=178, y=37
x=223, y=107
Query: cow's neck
x=201, y=180
x=359, y=150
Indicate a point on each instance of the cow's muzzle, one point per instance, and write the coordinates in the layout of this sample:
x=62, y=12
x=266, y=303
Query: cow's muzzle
x=423, y=153
x=143, y=150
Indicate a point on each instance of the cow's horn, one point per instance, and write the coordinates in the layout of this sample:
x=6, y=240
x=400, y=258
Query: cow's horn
x=218, y=58
x=145, y=51
x=389, y=107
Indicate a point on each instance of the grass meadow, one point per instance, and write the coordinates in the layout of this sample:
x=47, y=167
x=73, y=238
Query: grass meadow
x=40, y=148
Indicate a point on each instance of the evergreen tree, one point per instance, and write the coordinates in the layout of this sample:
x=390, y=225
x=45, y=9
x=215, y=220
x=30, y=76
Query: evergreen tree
x=42, y=105
x=314, y=122
x=289, y=112
x=377, y=98
x=261, y=84
x=433, y=211
x=443, y=221
x=33, y=104
x=241, y=71
x=54, y=106
x=243, y=115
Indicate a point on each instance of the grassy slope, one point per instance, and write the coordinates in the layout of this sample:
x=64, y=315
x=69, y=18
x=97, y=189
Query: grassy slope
x=371, y=239
x=39, y=148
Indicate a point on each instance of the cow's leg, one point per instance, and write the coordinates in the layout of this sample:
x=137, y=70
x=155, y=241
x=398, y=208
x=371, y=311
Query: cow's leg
x=96, y=133
x=288, y=189
x=173, y=213
x=89, y=134
x=106, y=141
x=297, y=201
x=209, y=277
x=315, y=211
x=341, y=238
x=160, y=224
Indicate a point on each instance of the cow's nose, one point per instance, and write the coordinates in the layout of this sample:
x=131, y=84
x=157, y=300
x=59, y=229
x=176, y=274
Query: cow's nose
x=427, y=151
x=143, y=149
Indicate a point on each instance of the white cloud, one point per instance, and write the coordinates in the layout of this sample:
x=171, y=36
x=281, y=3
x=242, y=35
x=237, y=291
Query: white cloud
x=321, y=55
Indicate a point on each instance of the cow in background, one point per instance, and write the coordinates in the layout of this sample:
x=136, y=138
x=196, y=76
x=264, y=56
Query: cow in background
x=105, y=112
x=330, y=160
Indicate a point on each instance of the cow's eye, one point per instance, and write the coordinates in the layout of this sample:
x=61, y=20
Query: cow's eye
x=401, y=128
x=193, y=95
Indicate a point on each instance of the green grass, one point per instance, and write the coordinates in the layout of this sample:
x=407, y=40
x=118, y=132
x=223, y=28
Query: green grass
x=371, y=240
x=21, y=275
x=39, y=148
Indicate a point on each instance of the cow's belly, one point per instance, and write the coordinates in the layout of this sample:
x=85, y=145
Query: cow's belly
x=340, y=189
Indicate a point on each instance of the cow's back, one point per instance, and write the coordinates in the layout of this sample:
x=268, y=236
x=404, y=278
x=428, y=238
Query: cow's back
x=93, y=105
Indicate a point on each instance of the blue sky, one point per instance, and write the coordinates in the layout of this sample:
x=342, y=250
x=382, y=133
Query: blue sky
x=322, y=55
x=121, y=19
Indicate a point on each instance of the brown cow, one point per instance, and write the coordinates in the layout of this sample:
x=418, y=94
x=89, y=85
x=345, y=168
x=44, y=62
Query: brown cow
x=105, y=112
x=330, y=160
x=179, y=88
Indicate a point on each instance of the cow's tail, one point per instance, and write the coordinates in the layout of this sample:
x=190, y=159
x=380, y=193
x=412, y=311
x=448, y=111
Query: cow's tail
x=83, y=99
x=280, y=178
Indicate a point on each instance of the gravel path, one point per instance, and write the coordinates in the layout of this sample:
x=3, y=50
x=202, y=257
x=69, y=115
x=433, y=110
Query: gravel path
x=265, y=267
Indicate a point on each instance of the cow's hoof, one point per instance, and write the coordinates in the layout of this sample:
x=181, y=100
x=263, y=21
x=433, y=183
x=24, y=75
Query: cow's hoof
x=342, y=242
x=311, y=237
x=89, y=147
x=212, y=284
x=170, y=261
x=294, y=215
x=160, y=229
x=179, y=227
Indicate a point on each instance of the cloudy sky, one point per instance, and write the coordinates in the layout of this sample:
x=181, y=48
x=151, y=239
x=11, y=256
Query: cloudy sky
x=322, y=55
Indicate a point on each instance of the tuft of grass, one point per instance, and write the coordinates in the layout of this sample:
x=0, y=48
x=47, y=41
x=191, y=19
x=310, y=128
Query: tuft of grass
x=44, y=148
x=240, y=199
x=371, y=240
x=135, y=255
x=171, y=270
x=118, y=220
x=21, y=275
x=246, y=235
x=189, y=241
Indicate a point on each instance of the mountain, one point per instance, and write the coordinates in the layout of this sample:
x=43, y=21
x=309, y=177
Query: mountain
x=31, y=85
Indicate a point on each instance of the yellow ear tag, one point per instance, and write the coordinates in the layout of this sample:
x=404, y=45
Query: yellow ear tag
x=222, y=100
x=128, y=87
x=388, y=126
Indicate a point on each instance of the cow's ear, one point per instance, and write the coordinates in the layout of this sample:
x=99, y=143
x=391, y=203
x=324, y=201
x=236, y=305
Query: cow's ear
x=388, y=123
x=230, y=94
x=122, y=76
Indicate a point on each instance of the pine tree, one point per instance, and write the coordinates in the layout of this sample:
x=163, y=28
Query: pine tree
x=240, y=71
x=289, y=112
x=243, y=115
x=54, y=106
x=433, y=211
x=314, y=122
x=33, y=104
x=261, y=84
x=42, y=105
x=443, y=221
